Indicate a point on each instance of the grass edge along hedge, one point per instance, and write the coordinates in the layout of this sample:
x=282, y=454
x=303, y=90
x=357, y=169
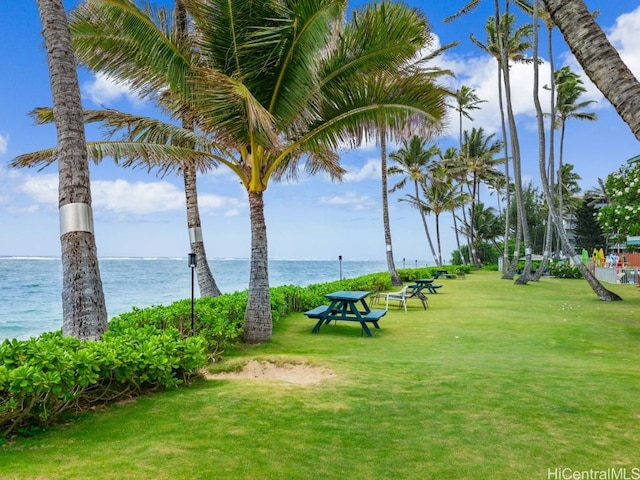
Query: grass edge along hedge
x=143, y=350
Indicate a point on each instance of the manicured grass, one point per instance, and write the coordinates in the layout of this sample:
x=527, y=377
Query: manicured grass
x=493, y=381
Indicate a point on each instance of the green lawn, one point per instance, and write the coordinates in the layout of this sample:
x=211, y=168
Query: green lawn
x=494, y=381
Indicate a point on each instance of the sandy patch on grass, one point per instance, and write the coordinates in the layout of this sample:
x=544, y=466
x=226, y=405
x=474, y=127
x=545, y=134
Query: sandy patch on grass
x=297, y=373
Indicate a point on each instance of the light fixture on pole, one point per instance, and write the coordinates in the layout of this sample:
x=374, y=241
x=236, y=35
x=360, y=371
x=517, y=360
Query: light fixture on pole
x=340, y=261
x=193, y=262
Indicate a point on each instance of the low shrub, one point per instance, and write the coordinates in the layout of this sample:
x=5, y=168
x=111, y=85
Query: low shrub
x=143, y=350
x=217, y=319
x=563, y=270
x=43, y=377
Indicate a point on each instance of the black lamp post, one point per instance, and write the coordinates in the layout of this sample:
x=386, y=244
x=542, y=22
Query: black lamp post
x=193, y=262
x=402, y=262
x=340, y=261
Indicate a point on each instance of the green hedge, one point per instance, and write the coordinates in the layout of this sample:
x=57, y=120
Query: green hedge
x=43, y=377
x=143, y=350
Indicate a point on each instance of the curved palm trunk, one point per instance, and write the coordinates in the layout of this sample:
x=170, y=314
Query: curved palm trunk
x=548, y=243
x=206, y=282
x=472, y=226
x=600, y=61
x=465, y=261
x=395, y=278
x=83, y=306
x=455, y=229
x=507, y=273
x=596, y=286
x=517, y=174
x=437, y=259
x=560, y=180
x=257, y=317
x=437, y=215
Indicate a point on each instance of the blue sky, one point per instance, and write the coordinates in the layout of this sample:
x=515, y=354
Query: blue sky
x=140, y=214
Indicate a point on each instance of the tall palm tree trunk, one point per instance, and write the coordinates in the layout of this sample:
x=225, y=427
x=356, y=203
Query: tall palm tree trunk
x=455, y=229
x=395, y=278
x=465, y=261
x=596, y=286
x=517, y=167
x=206, y=282
x=600, y=61
x=437, y=259
x=548, y=240
x=507, y=273
x=83, y=305
x=560, y=180
x=438, y=239
x=258, y=320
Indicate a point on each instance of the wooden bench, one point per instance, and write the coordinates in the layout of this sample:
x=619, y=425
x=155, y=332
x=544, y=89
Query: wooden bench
x=316, y=312
x=373, y=316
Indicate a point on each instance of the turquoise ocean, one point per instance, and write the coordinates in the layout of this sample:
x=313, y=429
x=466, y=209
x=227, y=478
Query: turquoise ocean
x=30, y=287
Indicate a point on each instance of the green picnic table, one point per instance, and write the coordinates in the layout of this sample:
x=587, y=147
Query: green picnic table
x=347, y=306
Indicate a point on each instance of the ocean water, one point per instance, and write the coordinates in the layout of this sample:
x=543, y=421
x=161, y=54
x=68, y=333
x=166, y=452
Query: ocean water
x=30, y=287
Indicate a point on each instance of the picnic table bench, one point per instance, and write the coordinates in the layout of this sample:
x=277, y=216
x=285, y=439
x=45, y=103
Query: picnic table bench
x=345, y=306
x=442, y=273
x=425, y=284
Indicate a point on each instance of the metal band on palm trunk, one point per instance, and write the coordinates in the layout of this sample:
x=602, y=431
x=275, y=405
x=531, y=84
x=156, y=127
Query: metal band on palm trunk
x=195, y=234
x=75, y=217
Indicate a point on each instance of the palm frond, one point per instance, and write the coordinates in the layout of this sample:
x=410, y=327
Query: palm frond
x=124, y=41
x=165, y=158
x=135, y=128
x=469, y=7
x=226, y=107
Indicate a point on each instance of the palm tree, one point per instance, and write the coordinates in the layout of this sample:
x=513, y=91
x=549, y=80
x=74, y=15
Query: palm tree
x=396, y=280
x=538, y=10
x=83, y=305
x=466, y=100
x=508, y=45
x=206, y=283
x=478, y=163
x=441, y=194
x=569, y=89
x=271, y=83
x=449, y=159
x=413, y=161
x=565, y=24
x=487, y=225
x=600, y=61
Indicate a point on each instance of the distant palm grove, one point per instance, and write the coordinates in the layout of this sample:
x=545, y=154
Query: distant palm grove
x=272, y=89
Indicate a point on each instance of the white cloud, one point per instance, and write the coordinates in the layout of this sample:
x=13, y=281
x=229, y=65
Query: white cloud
x=481, y=74
x=4, y=142
x=231, y=206
x=624, y=36
x=369, y=171
x=42, y=189
x=103, y=90
x=349, y=199
x=120, y=197
x=137, y=198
